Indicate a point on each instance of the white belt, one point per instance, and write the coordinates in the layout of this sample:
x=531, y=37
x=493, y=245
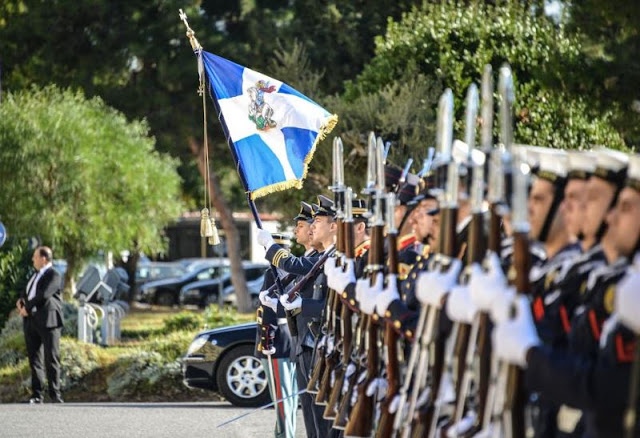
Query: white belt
x=282, y=321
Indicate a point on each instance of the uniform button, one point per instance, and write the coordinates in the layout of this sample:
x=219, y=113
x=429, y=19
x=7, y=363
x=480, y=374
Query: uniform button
x=408, y=285
x=352, y=302
x=408, y=333
x=414, y=275
x=344, y=295
x=418, y=258
x=397, y=324
x=387, y=314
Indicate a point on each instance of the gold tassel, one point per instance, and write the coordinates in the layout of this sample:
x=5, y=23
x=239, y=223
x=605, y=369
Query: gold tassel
x=205, y=224
x=214, y=239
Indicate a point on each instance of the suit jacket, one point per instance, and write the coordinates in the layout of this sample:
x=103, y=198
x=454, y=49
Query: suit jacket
x=47, y=300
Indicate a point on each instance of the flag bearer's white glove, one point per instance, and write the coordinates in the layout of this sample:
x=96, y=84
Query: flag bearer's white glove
x=264, y=238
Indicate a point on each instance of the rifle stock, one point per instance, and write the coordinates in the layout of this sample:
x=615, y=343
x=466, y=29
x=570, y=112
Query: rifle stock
x=331, y=411
x=360, y=424
x=385, y=425
x=515, y=399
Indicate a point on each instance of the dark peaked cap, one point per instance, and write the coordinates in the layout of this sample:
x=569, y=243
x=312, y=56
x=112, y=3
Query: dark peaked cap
x=305, y=214
x=325, y=207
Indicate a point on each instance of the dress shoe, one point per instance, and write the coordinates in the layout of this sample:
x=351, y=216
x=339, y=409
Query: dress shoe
x=34, y=401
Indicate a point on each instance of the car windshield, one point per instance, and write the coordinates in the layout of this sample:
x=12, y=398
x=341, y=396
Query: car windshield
x=148, y=272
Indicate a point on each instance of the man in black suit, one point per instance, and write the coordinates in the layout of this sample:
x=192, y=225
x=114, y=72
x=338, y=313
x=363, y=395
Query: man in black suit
x=40, y=305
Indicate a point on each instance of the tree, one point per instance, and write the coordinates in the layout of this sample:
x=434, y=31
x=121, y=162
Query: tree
x=83, y=178
x=447, y=45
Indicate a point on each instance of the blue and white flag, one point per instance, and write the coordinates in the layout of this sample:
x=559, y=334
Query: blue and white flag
x=272, y=129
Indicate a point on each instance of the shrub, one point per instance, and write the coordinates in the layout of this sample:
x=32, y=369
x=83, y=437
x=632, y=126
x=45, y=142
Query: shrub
x=182, y=321
x=78, y=359
x=216, y=316
x=143, y=372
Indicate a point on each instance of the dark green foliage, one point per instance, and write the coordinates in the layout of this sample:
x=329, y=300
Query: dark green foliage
x=15, y=269
x=182, y=321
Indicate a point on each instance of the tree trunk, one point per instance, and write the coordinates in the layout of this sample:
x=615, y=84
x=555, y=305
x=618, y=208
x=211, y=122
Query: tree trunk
x=69, y=279
x=233, y=239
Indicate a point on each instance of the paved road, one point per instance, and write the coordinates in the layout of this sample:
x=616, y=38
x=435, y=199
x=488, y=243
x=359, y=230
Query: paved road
x=135, y=420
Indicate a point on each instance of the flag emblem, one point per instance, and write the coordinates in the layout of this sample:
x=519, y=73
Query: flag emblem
x=261, y=112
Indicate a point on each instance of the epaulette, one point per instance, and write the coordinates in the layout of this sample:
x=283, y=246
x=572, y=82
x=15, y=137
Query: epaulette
x=362, y=248
x=406, y=240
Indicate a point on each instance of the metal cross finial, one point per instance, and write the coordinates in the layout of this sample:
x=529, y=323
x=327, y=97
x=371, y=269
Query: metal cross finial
x=195, y=45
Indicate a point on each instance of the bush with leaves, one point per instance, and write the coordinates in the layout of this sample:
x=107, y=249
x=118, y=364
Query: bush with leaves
x=182, y=321
x=450, y=42
x=15, y=269
x=216, y=316
x=142, y=372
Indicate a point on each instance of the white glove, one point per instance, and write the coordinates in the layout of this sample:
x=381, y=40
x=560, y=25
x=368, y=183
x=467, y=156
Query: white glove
x=377, y=387
x=338, y=278
x=627, y=298
x=264, y=238
x=268, y=301
x=295, y=304
x=513, y=338
x=485, y=287
x=500, y=310
x=432, y=286
x=388, y=295
x=366, y=294
x=459, y=305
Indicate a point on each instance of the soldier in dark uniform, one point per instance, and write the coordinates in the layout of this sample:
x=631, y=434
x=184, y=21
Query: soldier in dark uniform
x=273, y=345
x=309, y=304
x=596, y=383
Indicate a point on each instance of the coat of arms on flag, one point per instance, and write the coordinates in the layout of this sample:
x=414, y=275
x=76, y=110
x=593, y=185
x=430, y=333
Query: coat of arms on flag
x=272, y=128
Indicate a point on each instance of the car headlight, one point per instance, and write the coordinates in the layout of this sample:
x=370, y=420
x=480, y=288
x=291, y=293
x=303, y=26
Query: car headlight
x=197, y=344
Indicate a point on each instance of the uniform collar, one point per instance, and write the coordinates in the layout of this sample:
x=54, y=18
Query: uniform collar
x=362, y=248
x=406, y=240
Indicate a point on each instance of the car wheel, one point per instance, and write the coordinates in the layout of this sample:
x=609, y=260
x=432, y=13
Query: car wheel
x=241, y=378
x=165, y=298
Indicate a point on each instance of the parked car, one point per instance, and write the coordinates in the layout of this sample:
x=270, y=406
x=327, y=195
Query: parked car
x=205, y=292
x=223, y=360
x=166, y=292
x=254, y=287
x=150, y=271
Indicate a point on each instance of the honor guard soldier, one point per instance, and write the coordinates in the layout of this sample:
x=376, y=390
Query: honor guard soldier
x=309, y=304
x=273, y=344
x=596, y=382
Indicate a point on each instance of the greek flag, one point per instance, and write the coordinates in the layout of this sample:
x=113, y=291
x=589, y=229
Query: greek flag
x=272, y=129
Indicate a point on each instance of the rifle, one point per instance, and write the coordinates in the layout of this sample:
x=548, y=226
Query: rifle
x=354, y=369
x=325, y=366
x=447, y=183
x=361, y=420
x=465, y=336
x=331, y=411
x=515, y=396
x=385, y=424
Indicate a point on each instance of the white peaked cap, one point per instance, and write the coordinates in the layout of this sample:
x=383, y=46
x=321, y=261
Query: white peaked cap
x=633, y=171
x=581, y=161
x=554, y=161
x=530, y=154
x=610, y=159
x=460, y=154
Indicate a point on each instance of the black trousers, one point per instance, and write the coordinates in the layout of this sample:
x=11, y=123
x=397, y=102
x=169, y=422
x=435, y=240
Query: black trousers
x=314, y=423
x=42, y=341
